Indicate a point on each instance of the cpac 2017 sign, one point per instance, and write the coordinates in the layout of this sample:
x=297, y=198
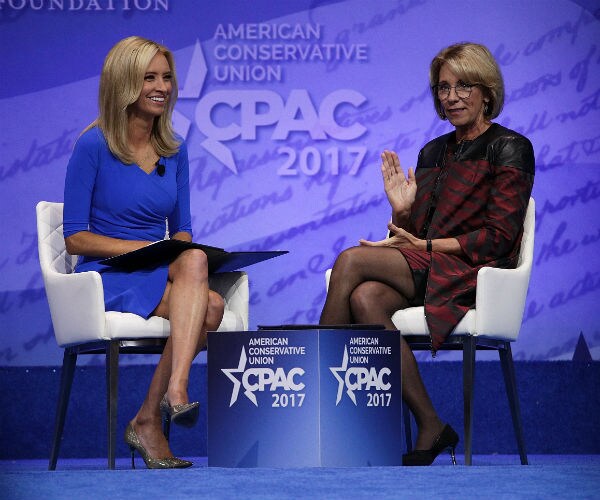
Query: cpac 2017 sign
x=293, y=398
x=227, y=114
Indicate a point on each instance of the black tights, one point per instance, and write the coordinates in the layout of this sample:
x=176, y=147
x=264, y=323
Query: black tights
x=367, y=285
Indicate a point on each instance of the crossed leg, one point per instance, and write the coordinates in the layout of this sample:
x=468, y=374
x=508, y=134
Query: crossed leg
x=192, y=309
x=367, y=285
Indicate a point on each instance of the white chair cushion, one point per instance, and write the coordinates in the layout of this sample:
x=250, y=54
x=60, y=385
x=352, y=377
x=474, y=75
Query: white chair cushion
x=128, y=325
x=232, y=322
x=411, y=321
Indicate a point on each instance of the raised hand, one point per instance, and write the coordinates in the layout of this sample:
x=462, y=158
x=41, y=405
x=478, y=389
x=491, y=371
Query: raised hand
x=400, y=190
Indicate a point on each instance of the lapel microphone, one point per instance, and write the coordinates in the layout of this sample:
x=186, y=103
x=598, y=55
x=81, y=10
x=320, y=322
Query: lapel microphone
x=160, y=168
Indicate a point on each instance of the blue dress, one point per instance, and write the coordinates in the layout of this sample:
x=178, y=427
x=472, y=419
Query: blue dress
x=106, y=196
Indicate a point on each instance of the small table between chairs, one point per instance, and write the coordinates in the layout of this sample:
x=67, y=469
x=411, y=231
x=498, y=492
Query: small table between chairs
x=304, y=396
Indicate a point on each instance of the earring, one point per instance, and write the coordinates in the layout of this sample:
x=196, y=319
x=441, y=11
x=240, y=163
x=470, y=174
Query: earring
x=486, y=108
x=442, y=114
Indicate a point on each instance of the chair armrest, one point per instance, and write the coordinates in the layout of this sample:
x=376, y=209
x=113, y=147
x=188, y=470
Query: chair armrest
x=76, y=305
x=500, y=301
x=233, y=287
x=327, y=278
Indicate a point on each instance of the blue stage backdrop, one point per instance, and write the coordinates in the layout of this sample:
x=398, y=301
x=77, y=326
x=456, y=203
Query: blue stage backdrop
x=286, y=107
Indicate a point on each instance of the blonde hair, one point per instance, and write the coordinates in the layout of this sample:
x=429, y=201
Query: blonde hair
x=121, y=84
x=474, y=64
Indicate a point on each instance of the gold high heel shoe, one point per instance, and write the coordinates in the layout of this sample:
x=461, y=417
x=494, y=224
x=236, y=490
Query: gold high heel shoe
x=133, y=441
x=183, y=414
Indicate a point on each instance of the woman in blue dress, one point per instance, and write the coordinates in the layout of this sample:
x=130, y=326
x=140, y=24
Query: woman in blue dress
x=127, y=184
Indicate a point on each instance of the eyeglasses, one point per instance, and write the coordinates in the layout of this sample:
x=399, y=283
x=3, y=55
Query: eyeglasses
x=463, y=90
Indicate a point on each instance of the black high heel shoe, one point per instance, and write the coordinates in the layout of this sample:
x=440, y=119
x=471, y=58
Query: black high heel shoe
x=134, y=443
x=183, y=414
x=447, y=439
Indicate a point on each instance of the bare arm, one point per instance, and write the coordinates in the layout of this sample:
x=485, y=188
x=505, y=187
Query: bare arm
x=182, y=235
x=96, y=245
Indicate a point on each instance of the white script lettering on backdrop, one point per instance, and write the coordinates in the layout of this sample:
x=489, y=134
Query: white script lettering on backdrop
x=285, y=110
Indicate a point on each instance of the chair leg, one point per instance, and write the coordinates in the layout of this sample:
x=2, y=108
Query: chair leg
x=407, y=427
x=112, y=380
x=469, y=349
x=508, y=369
x=66, y=382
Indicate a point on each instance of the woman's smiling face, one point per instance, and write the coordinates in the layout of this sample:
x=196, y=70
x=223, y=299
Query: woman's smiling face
x=156, y=90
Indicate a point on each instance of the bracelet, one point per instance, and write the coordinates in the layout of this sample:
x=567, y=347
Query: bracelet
x=429, y=246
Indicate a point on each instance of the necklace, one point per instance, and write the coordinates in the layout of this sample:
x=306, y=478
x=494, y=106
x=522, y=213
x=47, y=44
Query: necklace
x=147, y=160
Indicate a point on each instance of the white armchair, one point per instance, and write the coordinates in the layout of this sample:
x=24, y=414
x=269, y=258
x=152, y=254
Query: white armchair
x=82, y=326
x=492, y=325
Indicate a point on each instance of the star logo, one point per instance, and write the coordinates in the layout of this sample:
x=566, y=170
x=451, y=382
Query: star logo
x=192, y=90
x=229, y=373
x=336, y=370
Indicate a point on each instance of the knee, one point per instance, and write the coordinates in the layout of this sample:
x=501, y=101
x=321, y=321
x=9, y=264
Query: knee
x=365, y=298
x=345, y=263
x=193, y=263
x=215, y=311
